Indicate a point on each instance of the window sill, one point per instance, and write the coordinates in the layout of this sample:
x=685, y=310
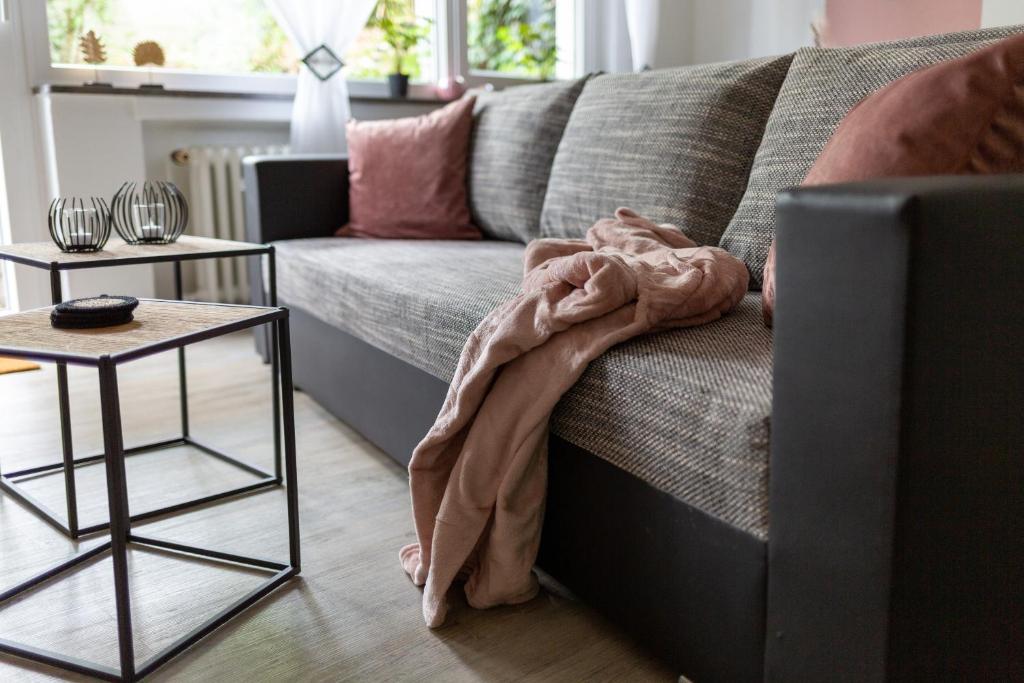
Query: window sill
x=48, y=88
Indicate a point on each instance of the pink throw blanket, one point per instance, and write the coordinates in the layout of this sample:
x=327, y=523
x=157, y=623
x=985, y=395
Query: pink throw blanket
x=478, y=478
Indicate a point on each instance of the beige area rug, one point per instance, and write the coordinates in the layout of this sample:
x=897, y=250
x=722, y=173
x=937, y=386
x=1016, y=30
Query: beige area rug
x=8, y=365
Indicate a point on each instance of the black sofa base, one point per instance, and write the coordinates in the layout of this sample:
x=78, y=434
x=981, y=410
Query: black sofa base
x=687, y=586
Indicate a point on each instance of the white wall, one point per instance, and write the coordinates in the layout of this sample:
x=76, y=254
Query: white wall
x=675, y=41
x=721, y=30
x=23, y=204
x=781, y=26
x=703, y=31
x=1002, y=12
x=606, y=40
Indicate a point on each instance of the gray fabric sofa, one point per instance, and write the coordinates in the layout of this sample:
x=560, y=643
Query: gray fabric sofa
x=839, y=502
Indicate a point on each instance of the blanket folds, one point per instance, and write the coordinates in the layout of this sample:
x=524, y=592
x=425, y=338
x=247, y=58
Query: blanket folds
x=478, y=479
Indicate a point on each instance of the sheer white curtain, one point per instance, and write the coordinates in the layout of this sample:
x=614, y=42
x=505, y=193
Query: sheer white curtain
x=606, y=39
x=642, y=22
x=321, y=107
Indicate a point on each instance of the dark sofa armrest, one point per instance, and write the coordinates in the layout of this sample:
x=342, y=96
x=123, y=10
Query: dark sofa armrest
x=290, y=197
x=897, y=455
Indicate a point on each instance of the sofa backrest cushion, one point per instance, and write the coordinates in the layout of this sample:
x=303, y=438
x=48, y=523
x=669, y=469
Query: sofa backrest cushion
x=674, y=145
x=515, y=135
x=822, y=86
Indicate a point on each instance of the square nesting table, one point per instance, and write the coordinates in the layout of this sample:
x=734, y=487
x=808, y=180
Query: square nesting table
x=158, y=326
x=47, y=256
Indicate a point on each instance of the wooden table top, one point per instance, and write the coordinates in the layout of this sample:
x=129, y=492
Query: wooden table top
x=48, y=255
x=158, y=326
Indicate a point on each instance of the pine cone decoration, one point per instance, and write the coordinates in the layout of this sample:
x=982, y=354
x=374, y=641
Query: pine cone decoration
x=92, y=47
x=148, y=52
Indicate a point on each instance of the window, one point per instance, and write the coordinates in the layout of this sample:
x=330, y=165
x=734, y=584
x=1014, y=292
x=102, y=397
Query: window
x=236, y=45
x=226, y=36
x=512, y=37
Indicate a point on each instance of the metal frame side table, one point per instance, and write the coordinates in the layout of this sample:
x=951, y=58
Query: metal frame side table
x=160, y=326
x=46, y=256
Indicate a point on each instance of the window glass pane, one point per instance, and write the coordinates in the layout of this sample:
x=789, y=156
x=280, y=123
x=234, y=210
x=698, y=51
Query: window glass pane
x=218, y=36
x=515, y=37
x=405, y=24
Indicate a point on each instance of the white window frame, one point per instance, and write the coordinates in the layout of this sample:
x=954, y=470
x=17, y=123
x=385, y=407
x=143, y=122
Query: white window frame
x=8, y=291
x=450, y=56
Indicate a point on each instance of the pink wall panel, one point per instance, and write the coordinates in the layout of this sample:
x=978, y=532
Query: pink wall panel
x=849, y=22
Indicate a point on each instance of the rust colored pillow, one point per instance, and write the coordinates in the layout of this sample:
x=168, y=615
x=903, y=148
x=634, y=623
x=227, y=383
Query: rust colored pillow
x=407, y=177
x=961, y=116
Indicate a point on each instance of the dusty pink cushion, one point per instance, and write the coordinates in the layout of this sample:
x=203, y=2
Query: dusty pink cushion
x=962, y=116
x=407, y=177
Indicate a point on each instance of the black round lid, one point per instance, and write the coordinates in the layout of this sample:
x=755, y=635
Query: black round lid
x=94, y=311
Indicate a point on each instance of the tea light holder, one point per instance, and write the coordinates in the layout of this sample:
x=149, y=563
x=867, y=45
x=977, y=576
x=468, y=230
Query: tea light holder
x=156, y=213
x=79, y=225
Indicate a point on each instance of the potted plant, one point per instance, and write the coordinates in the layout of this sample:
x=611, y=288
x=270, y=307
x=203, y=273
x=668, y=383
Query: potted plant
x=402, y=32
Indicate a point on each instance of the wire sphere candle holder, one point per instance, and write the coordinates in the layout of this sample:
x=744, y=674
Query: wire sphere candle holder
x=156, y=213
x=79, y=225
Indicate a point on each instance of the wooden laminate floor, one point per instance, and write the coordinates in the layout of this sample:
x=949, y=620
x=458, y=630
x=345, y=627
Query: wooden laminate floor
x=352, y=615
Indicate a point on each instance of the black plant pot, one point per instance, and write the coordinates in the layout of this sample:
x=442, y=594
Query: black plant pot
x=398, y=85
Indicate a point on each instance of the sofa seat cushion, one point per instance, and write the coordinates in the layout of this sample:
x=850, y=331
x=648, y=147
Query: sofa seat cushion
x=675, y=145
x=686, y=411
x=416, y=299
x=822, y=86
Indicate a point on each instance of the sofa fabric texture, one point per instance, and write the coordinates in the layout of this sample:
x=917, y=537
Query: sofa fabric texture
x=822, y=86
x=417, y=300
x=674, y=145
x=407, y=177
x=686, y=411
x=962, y=116
x=515, y=135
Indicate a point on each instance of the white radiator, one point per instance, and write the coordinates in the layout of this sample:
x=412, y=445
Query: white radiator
x=215, y=192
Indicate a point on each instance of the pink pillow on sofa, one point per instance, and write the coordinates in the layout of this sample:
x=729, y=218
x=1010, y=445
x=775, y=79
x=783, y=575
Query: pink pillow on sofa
x=962, y=116
x=407, y=177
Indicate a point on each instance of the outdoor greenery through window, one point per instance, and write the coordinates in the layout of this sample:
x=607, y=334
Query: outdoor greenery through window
x=230, y=36
x=397, y=39
x=514, y=37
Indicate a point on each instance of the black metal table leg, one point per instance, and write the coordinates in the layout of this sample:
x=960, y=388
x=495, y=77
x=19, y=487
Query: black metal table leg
x=292, y=484
x=117, y=501
x=275, y=362
x=182, y=377
x=272, y=275
x=64, y=403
